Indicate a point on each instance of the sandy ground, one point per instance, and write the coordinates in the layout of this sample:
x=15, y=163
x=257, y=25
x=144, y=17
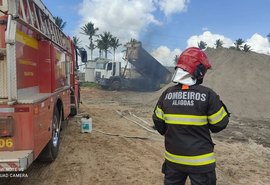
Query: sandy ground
x=124, y=150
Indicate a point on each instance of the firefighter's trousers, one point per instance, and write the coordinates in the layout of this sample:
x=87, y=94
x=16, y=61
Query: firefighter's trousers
x=174, y=176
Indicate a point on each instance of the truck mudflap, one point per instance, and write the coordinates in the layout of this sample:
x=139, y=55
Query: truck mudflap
x=11, y=161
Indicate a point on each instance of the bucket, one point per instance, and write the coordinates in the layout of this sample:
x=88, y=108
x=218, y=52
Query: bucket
x=86, y=124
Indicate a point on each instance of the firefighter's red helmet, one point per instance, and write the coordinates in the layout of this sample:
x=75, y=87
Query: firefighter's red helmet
x=191, y=58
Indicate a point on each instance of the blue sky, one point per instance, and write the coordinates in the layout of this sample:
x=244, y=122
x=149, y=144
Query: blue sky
x=167, y=27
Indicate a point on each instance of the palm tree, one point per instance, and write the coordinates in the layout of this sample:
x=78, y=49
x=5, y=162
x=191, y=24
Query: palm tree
x=238, y=43
x=115, y=44
x=59, y=22
x=100, y=47
x=219, y=43
x=76, y=42
x=202, y=45
x=268, y=36
x=246, y=48
x=105, y=41
x=176, y=57
x=89, y=30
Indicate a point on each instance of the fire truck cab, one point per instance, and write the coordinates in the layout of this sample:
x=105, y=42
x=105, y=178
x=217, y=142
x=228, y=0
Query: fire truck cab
x=39, y=88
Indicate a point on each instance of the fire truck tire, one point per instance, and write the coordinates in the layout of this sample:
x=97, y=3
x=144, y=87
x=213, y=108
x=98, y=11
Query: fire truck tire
x=116, y=85
x=50, y=152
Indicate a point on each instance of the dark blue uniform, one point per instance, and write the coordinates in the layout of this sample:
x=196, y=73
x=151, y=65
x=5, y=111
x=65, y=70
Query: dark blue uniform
x=186, y=115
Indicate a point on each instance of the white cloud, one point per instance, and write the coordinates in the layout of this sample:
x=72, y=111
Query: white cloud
x=165, y=56
x=259, y=44
x=209, y=38
x=173, y=6
x=125, y=21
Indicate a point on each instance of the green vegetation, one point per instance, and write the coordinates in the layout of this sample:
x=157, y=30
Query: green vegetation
x=238, y=44
x=115, y=44
x=219, y=43
x=202, y=45
x=246, y=48
x=105, y=42
x=88, y=84
x=76, y=42
x=176, y=59
x=59, y=22
x=90, y=30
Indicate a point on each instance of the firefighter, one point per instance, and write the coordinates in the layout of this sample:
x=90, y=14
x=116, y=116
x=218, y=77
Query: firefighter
x=186, y=114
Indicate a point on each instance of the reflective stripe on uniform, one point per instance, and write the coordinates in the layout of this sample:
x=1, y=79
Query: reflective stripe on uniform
x=218, y=116
x=191, y=160
x=159, y=113
x=179, y=119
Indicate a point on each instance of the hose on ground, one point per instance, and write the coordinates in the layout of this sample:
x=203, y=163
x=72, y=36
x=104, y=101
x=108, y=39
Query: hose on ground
x=149, y=130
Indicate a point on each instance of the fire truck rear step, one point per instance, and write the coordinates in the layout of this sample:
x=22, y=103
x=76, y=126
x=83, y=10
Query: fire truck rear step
x=15, y=160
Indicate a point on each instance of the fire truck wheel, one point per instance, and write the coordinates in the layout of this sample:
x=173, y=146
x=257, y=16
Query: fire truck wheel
x=50, y=152
x=116, y=85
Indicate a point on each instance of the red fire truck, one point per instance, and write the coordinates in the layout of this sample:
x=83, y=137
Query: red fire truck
x=39, y=88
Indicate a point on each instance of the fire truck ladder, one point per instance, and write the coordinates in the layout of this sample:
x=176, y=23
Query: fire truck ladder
x=35, y=15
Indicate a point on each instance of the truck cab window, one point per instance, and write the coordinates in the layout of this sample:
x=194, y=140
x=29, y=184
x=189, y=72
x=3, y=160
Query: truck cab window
x=83, y=56
x=100, y=66
x=109, y=67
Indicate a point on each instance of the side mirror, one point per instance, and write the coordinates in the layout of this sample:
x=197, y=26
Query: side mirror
x=83, y=54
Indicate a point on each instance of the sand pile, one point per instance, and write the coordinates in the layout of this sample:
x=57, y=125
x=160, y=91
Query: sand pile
x=241, y=79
